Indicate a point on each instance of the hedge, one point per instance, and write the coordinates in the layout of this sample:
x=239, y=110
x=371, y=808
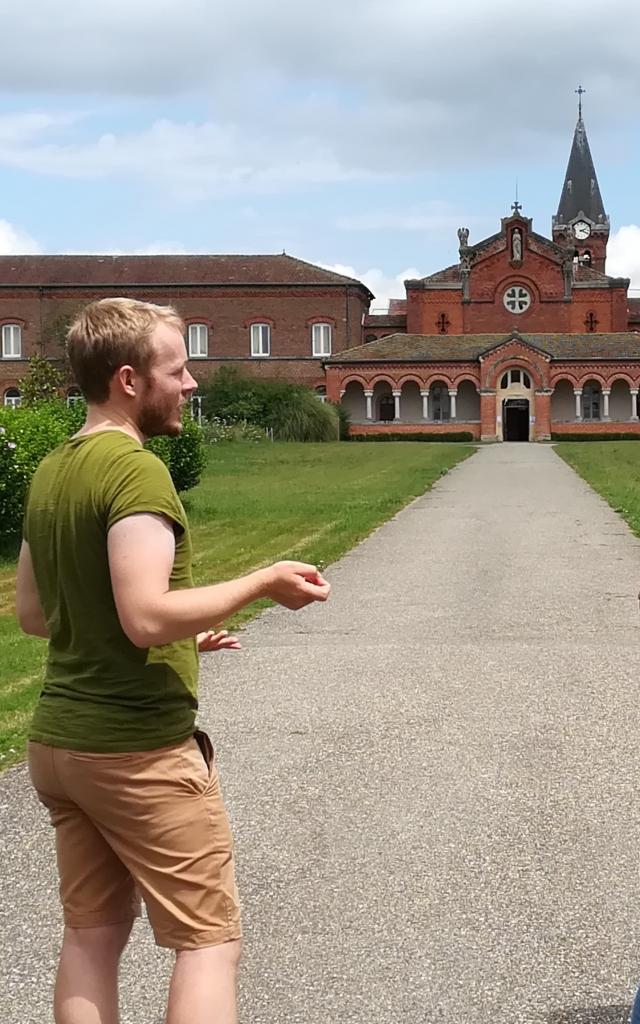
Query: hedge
x=454, y=435
x=29, y=433
x=595, y=437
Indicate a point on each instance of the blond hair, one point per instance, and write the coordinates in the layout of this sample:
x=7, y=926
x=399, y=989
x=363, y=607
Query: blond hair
x=111, y=333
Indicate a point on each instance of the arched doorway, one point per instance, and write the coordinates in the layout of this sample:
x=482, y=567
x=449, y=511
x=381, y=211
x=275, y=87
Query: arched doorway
x=515, y=405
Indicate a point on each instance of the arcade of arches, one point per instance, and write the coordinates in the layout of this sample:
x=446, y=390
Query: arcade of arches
x=513, y=392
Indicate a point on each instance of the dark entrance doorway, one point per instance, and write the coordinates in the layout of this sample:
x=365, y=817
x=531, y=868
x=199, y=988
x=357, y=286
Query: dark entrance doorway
x=516, y=419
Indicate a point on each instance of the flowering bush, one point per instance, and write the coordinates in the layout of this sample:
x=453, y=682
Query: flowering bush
x=29, y=433
x=216, y=430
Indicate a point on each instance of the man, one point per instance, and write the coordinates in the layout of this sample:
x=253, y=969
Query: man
x=131, y=786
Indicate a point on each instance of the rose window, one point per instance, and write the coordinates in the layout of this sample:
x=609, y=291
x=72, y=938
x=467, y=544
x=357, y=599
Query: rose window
x=517, y=299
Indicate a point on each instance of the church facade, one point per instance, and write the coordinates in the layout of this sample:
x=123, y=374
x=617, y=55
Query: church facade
x=523, y=338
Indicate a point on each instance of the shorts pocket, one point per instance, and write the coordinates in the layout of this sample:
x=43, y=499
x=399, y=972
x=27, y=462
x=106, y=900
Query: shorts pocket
x=199, y=761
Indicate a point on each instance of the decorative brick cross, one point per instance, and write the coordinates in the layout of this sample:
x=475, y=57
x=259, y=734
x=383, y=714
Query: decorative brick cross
x=590, y=322
x=443, y=323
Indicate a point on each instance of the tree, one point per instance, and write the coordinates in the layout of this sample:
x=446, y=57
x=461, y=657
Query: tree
x=43, y=382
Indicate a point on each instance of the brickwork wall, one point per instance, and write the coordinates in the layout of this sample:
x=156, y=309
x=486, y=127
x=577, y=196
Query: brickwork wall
x=450, y=427
x=228, y=312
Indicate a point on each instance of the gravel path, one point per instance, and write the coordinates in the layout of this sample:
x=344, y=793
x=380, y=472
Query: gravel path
x=432, y=779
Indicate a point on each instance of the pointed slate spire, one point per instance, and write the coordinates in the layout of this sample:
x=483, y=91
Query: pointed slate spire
x=580, y=192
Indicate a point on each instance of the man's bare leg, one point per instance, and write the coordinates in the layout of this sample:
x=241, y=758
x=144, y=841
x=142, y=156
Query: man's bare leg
x=86, y=989
x=203, y=985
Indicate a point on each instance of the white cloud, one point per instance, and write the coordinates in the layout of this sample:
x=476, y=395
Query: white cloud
x=397, y=90
x=192, y=160
x=623, y=254
x=382, y=286
x=15, y=242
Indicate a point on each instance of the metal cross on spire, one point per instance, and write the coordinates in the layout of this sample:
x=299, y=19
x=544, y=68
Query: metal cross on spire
x=580, y=93
x=516, y=207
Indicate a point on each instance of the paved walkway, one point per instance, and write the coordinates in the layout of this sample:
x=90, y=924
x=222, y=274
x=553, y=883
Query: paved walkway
x=433, y=780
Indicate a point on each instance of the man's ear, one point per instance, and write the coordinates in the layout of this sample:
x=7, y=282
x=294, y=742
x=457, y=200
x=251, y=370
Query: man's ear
x=126, y=381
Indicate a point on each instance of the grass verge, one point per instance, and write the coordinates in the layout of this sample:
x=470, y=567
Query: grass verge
x=256, y=504
x=612, y=468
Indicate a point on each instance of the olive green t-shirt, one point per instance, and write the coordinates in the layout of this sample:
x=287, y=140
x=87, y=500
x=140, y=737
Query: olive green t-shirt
x=101, y=693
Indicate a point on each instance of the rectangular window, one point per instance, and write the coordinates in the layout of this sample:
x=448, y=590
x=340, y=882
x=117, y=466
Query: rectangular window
x=260, y=339
x=11, y=341
x=198, y=341
x=321, y=339
x=196, y=408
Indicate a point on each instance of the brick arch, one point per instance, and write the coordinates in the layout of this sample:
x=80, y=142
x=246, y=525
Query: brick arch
x=383, y=378
x=410, y=377
x=513, y=278
x=13, y=320
x=435, y=377
x=563, y=375
x=518, y=362
x=590, y=375
x=353, y=379
x=466, y=376
x=627, y=378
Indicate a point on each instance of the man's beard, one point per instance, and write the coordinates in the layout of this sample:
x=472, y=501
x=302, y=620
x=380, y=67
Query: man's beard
x=156, y=416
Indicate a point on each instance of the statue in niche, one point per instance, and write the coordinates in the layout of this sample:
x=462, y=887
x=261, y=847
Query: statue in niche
x=516, y=244
x=463, y=237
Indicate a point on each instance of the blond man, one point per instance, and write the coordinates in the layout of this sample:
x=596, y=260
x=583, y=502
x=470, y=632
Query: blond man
x=114, y=753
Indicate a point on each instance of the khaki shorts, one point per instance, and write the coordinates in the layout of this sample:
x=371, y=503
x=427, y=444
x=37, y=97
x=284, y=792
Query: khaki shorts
x=151, y=823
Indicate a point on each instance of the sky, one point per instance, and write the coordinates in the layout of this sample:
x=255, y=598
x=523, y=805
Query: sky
x=357, y=135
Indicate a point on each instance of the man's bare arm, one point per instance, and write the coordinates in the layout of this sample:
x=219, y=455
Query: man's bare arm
x=141, y=552
x=28, y=607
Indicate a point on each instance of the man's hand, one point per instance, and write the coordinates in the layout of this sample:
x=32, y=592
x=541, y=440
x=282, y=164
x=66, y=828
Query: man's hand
x=295, y=584
x=217, y=639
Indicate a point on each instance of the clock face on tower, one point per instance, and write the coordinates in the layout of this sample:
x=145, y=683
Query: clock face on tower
x=581, y=229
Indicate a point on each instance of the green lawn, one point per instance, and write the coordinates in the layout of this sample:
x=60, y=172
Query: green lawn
x=612, y=468
x=256, y=504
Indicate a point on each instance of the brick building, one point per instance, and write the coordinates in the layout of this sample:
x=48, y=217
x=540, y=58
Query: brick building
x=270, y=315
x=523, y=336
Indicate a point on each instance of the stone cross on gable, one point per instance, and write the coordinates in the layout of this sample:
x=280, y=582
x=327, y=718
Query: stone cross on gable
x=516, y=207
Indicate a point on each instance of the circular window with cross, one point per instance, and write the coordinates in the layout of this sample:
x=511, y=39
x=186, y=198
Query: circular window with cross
x=517, y=299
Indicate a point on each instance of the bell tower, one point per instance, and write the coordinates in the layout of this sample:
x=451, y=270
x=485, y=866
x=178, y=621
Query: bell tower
x=581, y=222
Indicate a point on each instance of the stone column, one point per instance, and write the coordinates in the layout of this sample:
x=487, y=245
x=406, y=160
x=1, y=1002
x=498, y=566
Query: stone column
x=634, y=404
x=396, y=398
x=578, y=393
x=605, y=405
x=425, y=404
x=453, y=394
x=368, y=396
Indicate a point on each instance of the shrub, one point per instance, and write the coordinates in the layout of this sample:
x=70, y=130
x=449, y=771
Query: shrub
x=453, y=435
x=12, y=489
x=215, y=431
x=43, y=381
x=594, y=437
x=344, y=421
x=30, y=432
x=183, y=455
x=292, y=412
x=304, y=418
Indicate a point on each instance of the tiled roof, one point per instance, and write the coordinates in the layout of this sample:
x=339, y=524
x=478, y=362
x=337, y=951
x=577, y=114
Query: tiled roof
x=385, y=320
x=447, y=347
x=448, y=274
x=123, y=271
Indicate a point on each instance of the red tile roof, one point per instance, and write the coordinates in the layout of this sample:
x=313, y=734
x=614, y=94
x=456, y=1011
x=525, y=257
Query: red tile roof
x=114, y=271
